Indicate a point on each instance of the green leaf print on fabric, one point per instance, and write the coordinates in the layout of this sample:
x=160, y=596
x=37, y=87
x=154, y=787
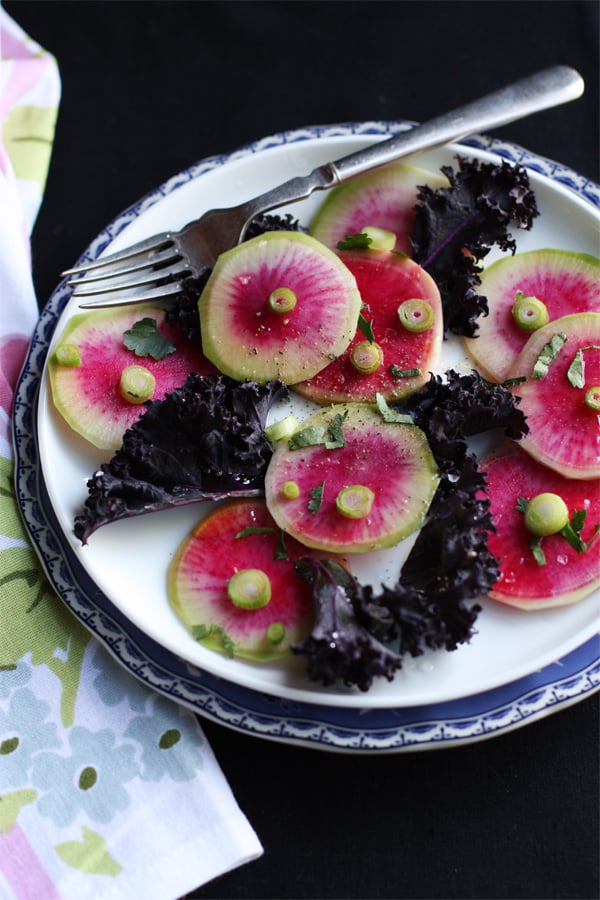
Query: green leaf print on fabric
x=27, y=135
x=34, y=619
x=10, y=806
x=89, y=855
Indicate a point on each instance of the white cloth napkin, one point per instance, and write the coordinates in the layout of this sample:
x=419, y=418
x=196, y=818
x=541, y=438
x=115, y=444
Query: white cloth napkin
x=107, y=790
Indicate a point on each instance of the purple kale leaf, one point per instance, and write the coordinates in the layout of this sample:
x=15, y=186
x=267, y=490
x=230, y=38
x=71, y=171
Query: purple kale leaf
x=203, y=441
x=455, y=227
x=339, y=648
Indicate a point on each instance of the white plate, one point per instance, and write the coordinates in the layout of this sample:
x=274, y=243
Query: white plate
x=127, y=561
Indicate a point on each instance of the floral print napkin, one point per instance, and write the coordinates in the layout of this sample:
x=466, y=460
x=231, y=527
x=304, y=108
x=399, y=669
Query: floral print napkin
x=107, y=790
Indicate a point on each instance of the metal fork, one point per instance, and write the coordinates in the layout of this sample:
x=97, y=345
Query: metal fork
x=158, y=267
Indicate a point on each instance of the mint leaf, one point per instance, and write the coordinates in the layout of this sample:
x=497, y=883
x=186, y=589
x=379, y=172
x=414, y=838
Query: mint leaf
x=547, y=354
x=316, y=498
x=397, y=372
x=575, y=370
x=145, y=339
x=535, y=545
x=391, y=415
x=331, y=437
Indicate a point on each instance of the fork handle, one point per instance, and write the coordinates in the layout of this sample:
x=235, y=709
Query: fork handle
x=545, y=89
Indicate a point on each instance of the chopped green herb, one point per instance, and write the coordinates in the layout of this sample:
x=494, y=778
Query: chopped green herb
x=397, y=372
x=254, y=529
x=388, y=414
x=359, y=241
x=316, y=498
x=571, y=532
x=331, y=437
x=575, y=370
x=511, y=382
x=199, y=632
x=281, y=550
x=366, y=328
x=535, y=545
x=145, y=339
x=547, y=355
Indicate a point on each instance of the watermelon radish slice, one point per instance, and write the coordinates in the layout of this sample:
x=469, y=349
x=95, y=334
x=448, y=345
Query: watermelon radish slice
x=279, y=306
x=211, y=555
x=384, y=198
x=568, y=575
x=564, y=433
x=564, y=281
x=385, y=280
x=368, y=491
x=88, y=395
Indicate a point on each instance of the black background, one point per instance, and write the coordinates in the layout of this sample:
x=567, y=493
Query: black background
x=148, y=89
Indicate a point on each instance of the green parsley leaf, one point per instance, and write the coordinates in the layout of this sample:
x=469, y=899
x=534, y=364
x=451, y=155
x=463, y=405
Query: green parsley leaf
x=145, y=339
x=521, y=504
x=355, y=242
x=547, y=354
x=316, y=498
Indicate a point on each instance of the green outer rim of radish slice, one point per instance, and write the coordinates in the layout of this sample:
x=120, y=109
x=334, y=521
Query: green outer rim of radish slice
x=384, y=198
x=200, y=569
x=565, y=281
x=246, y=340
x=512, y=473
x=88, y=396
x=393, y=460
x=384, y=279
x=563, y=431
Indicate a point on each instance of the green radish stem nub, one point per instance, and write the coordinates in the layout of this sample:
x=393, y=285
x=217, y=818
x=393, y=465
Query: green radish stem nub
x=137, y=384
x=355, y=501
x=529, y=313
x=249, y=589
x=592, y=398
x=366, y=357
x=282, y=300
x=290, y=490
x=275, y=633
x=68, y=355
x=416, y=315
x=546, y=514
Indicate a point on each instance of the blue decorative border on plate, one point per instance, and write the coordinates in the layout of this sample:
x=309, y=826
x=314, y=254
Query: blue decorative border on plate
x=366, y=730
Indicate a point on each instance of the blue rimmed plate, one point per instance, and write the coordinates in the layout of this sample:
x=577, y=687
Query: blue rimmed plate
x=433, y=702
